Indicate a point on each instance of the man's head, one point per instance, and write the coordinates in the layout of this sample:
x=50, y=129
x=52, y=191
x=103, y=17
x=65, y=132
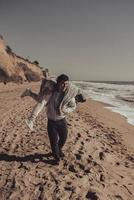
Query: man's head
x=62, y=82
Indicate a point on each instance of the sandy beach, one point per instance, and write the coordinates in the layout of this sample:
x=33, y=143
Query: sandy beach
x=99, y=161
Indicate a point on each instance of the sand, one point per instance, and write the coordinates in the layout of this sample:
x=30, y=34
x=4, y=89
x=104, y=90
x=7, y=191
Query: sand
x=99, y=162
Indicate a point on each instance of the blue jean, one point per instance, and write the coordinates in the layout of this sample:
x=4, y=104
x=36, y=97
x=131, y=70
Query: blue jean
x=57, y=132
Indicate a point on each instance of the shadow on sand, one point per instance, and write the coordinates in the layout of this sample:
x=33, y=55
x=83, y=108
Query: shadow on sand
x=34, y=158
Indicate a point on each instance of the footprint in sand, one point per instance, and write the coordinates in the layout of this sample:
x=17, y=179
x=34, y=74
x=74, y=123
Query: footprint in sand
x=101, y=155
x=82, y=143
x=78, y=156
x=87, y=171
x=80, y=151
x=91, y=195
x=78, y=135
x=65, y=163
x=76, y=139
x=81, y=166
x=129, y=162
x=126, y=164
x=78, y=176
x=71, y=168
x=102, y=178
x=70, y=188
x=69, y=124
x=90, y=159
x=130, y=158
x=69, y=183
x=118, y=197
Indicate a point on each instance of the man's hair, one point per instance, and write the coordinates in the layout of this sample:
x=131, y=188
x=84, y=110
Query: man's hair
x=62, y=77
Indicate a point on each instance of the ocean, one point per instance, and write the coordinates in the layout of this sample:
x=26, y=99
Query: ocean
x=120, y=95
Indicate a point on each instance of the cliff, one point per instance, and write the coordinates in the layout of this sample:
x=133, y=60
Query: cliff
x=15, y=68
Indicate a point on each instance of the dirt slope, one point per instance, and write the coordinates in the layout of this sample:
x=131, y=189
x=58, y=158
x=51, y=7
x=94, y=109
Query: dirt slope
x=15, y=68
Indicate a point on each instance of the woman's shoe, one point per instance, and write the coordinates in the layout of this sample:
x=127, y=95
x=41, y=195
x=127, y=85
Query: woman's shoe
x=30, y=124
x=27, y=92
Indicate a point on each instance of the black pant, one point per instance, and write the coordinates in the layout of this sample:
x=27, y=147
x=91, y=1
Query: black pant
x=57, y=132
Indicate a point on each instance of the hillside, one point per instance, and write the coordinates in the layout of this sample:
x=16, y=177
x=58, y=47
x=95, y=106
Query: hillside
x=15, y=68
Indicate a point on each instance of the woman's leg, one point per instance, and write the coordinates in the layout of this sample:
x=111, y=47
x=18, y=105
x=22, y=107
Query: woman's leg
x=36, y=110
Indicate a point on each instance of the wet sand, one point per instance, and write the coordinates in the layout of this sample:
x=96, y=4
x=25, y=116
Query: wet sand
x=99, y=161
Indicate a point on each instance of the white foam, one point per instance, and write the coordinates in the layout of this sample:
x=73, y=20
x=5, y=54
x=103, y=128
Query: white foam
x=108, y=93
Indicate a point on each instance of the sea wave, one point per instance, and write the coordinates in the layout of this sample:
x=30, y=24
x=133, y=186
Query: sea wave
x=120, y=97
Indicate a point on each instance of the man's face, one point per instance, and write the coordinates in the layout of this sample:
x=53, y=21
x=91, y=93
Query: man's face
x=63, y=85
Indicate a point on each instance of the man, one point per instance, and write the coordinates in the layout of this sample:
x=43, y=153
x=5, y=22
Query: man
x=60, y=102
x=56, y=110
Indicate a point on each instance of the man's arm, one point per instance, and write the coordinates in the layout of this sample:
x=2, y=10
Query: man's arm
x=79, y=94
x=69, y=107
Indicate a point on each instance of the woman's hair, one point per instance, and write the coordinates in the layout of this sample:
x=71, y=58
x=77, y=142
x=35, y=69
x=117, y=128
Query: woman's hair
x=47, y=86
x=62, y=77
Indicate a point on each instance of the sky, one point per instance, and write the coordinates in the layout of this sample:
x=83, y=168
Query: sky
x=85, y=39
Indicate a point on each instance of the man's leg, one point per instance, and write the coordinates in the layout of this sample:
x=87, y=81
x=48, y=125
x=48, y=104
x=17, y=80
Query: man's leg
x=63, y=132
x=54, y=138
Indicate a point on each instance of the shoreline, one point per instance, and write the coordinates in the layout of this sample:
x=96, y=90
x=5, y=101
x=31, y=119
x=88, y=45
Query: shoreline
x=111, y=119
x=109, y=107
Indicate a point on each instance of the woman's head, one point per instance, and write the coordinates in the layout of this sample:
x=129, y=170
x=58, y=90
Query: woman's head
x=48, y=86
